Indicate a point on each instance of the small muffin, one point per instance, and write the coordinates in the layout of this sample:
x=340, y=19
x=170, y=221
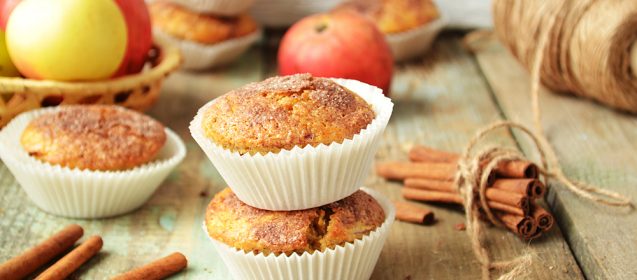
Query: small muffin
x=284, y=112
x=94, y=137
x=395, y=16
x=184, y=24
x=241, y=226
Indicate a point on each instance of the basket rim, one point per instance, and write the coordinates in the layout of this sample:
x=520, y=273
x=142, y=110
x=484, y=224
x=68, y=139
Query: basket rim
x=169, y=61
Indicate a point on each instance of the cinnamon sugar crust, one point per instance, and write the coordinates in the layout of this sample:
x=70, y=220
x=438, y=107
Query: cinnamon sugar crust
x=239, y=225
x=181, y=23
x=94, y=137
x=284, y=112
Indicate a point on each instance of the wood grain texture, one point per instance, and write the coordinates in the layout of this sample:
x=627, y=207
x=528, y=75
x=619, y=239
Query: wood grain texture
x=595, y=144
x=441, y=99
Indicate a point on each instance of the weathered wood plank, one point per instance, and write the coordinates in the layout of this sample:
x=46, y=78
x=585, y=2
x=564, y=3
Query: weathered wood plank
x=441, y=100
x=595, y=144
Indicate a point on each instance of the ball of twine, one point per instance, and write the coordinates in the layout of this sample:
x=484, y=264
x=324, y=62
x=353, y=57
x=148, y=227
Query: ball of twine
x=591, y=49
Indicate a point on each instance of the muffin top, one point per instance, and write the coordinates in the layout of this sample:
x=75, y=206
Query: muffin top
x=94, y=137
x=202, y=28
x=394, y=16
x=284, y=112
x=241, y=226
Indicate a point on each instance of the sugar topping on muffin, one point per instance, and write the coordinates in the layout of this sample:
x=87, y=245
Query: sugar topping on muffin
x=241, y=226
x=94, y=137
x=284, y=112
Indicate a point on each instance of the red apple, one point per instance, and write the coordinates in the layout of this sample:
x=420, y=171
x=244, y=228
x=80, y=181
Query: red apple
x=6, y=7
x=140, y=38
x=341, y=44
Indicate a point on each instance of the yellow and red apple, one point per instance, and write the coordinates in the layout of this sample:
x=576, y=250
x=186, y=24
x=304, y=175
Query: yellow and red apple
x=7, y=68
x=71, y=40
x=341, y=44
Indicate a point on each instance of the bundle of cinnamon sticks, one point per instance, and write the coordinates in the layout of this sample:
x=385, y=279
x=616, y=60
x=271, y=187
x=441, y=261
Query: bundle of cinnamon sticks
x=512, y=189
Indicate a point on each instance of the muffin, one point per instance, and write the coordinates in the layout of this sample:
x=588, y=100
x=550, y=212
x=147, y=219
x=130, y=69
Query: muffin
x=182, y=23
x=395, y=16
x=410, y=26
x=340, y=240
x=216, y=7
x=90, y=161
x=95, y=137
x=285, y=112
x=285, y=232
x=205, y=39
x=295, y=142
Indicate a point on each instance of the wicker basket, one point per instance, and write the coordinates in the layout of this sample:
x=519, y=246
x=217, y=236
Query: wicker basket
x=138, y=91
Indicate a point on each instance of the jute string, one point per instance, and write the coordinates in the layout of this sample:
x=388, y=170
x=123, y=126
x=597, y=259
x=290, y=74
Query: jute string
x=592, y=47
x=472, y=177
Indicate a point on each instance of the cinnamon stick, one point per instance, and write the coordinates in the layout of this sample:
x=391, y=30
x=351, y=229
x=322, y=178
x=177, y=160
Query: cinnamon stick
x=493, y=195
x=543, y=218
x=401, y=170
x=517, y=169
x=430, y=184
x=158, y=269
x=506, y=169
x=426, y=154
x=529, y=187
x=409, y=212
x=30, y=260
x=523, y=226
x=449, y=197
x=73, y=260
x=431, y=196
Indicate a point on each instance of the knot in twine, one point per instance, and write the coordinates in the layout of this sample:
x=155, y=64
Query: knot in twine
x=472, y=180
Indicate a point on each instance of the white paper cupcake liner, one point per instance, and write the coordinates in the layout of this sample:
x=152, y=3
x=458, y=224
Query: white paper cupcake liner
x=409, y=44
x=280, y=13
x=216, y=7
x=83, y=193
x=306, y=177
x=201, y=56
x=355, y=260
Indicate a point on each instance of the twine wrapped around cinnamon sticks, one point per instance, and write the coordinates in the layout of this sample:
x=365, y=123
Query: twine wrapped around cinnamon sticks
x=512, y=187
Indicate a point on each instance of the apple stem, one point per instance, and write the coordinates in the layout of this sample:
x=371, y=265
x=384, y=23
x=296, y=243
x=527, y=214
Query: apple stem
x=320, y=27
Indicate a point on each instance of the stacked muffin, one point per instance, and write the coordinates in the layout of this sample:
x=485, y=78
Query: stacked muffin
x=295, y=151
x=208, y=32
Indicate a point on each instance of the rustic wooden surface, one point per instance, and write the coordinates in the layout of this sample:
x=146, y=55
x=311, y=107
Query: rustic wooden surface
x=441, y=99
x=595, y=144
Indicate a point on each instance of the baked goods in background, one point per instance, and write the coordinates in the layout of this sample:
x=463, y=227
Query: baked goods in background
x=94, y=137
x=205, y=39
x=182, y=23
x=286, y=232
x=284, y=112
x=395, y=16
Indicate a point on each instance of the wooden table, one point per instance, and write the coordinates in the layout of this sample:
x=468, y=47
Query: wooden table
x=440, y=100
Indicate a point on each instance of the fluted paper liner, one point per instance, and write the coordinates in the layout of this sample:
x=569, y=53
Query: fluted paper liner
x=301, y=178
x=84, y=193
x=216, y=7
x=202, y=56
x=353, y=260
x=411, y=43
